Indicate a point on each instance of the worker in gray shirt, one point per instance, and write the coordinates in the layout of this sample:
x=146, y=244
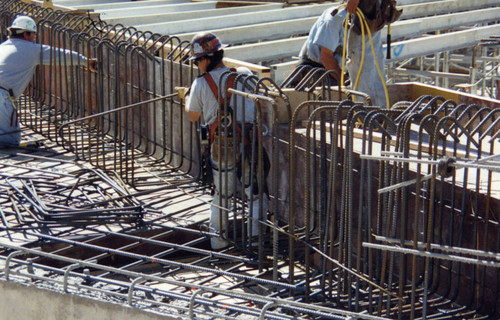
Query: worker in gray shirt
x=323, y=48
x=19, y=56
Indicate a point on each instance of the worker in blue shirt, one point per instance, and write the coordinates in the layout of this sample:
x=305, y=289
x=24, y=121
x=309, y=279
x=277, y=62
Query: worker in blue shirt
x=324, y=46
x=19, y=56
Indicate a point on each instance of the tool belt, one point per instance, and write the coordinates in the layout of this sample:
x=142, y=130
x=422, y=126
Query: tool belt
x=221, y=138
x=10, y=92
x=225, y=148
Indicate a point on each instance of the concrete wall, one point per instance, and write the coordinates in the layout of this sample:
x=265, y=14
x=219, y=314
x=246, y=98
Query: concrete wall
x=18, y=301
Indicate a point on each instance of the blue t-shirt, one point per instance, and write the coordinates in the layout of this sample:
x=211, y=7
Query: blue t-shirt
x=328, y=31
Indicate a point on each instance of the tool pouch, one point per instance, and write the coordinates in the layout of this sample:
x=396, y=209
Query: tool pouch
x=204, y=135
x=376, y=16
x=222, y=146
x=206, y=167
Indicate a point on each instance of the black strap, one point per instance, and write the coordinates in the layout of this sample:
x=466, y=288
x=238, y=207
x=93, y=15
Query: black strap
x=9, y=91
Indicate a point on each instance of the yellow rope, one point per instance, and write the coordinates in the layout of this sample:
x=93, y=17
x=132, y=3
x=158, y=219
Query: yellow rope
x=364, y=25
x=344, y=51
x=363, y=21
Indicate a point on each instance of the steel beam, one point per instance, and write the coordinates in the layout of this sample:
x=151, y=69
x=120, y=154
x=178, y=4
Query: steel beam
x=400, y=50
x=193, y=25
x=98, y=5
x=133, y=20
x=408, y=2
x=157, y=9
x=416, y=27
x=444, y=42
x=444, y=7
x=400, y=29
x=279, y=49
x=266, y=51
x=261, y=31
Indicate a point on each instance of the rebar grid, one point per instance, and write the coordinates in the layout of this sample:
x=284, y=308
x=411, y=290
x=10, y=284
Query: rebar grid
x=433, y=165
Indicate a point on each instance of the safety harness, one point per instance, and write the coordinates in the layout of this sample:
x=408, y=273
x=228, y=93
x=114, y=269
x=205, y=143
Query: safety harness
x=215, y=91
x=10, y=92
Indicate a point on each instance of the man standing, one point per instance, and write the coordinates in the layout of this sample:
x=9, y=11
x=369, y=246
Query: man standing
x=324, y=45
x=370, y=81
x=204, y=101
x=19, y=56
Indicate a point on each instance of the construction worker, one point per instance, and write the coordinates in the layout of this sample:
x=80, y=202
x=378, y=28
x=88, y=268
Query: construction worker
x=19, y=55
x=324, y=45
x=207, y=53
x=377, y=14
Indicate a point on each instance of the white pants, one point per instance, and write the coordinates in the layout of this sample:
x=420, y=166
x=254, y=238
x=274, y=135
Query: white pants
x=222, y=198
x=369, y=81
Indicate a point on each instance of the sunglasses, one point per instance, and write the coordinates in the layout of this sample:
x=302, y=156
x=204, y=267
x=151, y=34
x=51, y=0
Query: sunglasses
x=197, y=60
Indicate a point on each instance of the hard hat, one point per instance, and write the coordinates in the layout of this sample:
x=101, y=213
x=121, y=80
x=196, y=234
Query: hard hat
x=23, y=23
x=244, y=70
x=205, y=44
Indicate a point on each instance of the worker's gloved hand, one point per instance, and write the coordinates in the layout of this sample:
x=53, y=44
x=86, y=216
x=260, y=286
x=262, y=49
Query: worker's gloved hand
x=93, y=65
x=351, y=6
x=31, y=144
x=182, y=91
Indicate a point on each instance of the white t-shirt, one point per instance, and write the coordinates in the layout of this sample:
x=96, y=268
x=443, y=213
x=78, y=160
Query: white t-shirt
x=202, y=99
x=18, y=59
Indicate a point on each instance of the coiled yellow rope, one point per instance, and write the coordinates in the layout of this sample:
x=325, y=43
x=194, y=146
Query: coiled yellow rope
x=364, y=25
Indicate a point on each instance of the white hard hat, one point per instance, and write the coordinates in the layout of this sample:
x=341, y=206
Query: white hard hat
x=244, y=70
x=23, y=23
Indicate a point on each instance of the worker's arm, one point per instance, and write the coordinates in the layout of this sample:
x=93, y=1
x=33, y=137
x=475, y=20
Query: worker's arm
x=54, y=55
x=92, y=65
x=352, y=5
x=183, y=92
x=194, y=100
x=329, y=62
x=193, y=115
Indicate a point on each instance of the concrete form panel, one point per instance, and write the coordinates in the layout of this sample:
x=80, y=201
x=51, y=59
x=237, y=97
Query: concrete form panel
x=19, y=301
